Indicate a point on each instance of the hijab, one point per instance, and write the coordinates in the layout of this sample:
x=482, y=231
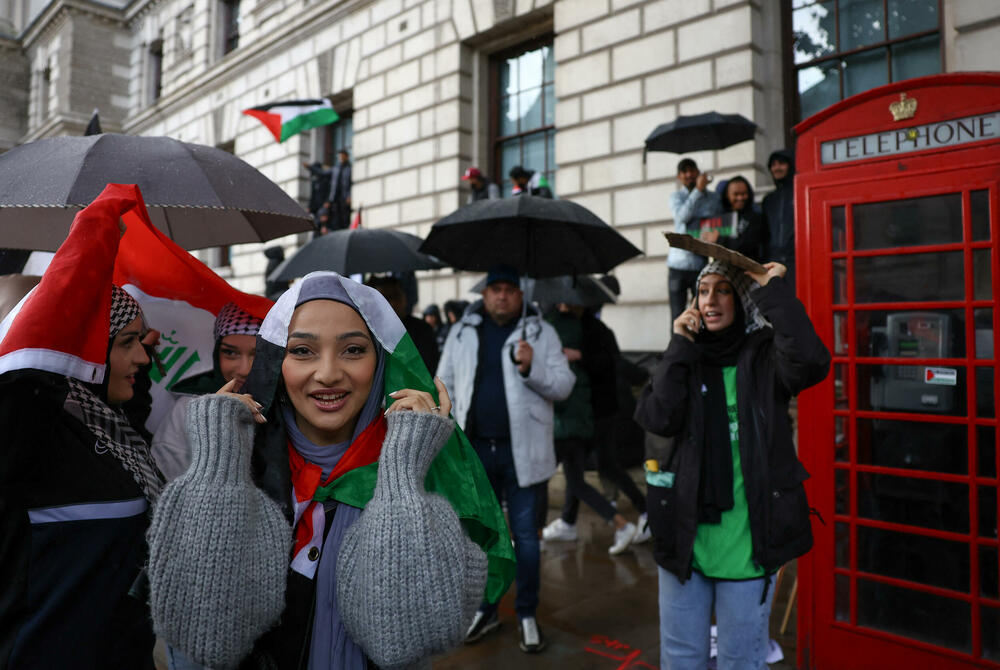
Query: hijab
x=231, y=320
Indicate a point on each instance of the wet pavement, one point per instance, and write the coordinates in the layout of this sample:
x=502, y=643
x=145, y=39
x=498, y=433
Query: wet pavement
x=597, y=612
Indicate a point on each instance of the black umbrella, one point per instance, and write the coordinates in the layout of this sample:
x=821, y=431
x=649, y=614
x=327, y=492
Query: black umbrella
x=700, y=132
x=357, y=251
x=538, y=236
x=198, y=195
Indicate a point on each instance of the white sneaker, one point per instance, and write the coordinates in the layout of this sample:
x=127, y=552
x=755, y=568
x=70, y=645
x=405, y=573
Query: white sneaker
x=623, y=537
x=559, y=530
x=644, y=533
x=532, y=640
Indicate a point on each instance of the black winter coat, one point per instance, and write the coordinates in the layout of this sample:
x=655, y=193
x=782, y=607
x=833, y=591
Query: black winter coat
x=72, y=539
x=773, y=366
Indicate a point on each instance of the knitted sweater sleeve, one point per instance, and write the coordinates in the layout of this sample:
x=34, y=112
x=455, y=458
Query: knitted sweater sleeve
x=408, y=578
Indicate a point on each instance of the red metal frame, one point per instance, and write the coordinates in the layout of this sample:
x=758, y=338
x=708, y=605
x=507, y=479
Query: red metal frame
x=825, y=642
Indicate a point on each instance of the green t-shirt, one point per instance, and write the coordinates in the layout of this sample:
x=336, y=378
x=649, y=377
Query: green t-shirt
x=724, y=550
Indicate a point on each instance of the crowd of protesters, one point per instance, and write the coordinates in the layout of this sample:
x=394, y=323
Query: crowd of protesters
x=249, y=529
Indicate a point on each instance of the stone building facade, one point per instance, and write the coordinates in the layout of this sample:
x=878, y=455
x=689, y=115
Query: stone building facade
x=429, y=88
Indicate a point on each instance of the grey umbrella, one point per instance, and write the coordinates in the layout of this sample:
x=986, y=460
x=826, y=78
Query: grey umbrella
x=355, y=251
x=199, y=196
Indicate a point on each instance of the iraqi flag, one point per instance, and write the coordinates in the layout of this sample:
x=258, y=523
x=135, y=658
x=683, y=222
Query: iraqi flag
x=285, y=119
x=180, y=296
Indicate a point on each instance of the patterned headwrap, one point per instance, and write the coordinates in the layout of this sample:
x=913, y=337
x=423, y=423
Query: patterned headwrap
x=744, y=286
x=235, y=321
x=124, y=309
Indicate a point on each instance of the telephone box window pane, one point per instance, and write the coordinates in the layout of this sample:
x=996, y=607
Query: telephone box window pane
x=819, y=87
x=865, y=71
x=842, y=542
x=840, y=281
x=933, y=447
x=979, y=202
x=985, y=406
x=840, y=334
x=842, y=598
x=989, y=619
x=987, y=511
x=915, y=502
x=911, y=334
x=983, y=318
x=912, y=16
x=982, y=276
x=986, y=446
x=925, y=560
x=909, y=277
x=814, y=32
x=862, y=22
x=935, y=219
x=841, y=443
x=839, y=225
x=921, y=616
x=916, y=58
x=988, y=572
x=840, y=385
x=842, y=491
x=911, y=388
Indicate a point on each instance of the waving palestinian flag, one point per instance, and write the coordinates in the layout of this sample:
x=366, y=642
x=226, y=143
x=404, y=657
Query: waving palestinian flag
x=285, y=119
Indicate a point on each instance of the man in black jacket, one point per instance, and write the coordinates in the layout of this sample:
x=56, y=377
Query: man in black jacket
x=779, y=212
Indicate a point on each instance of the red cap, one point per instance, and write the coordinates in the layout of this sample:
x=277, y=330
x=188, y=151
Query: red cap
x=472, y=173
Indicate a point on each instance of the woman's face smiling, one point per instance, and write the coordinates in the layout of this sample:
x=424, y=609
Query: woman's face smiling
x=328, y=369
x=716, y=302
x=124, y=359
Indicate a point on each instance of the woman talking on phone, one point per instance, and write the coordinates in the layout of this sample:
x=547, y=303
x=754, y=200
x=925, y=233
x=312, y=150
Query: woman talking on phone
x=732, y=509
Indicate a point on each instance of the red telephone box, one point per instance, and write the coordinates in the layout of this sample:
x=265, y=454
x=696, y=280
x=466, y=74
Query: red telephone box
x=896, y=205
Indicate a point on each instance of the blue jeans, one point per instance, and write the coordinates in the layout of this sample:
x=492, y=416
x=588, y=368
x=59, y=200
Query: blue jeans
x=686, y=619
x=498, y=461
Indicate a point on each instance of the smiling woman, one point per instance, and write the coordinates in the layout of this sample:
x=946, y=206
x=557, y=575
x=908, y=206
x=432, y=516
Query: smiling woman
x=350, y=478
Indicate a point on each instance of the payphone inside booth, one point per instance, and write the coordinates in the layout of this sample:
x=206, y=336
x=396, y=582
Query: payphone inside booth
x=897, y=198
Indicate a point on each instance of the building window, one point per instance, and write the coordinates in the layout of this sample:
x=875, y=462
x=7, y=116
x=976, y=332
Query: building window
x=155, y=69
x=337, y=136
x=230, y=25
x=522, y=125
x=843, y=47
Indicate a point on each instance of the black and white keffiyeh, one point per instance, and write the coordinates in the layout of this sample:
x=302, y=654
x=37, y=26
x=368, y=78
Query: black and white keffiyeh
x=124, y=309
x=114, y=434
x=744, y=286
x=232, y=320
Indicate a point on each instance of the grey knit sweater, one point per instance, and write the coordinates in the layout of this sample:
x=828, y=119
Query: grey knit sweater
x=218, y=545
x=408, y=578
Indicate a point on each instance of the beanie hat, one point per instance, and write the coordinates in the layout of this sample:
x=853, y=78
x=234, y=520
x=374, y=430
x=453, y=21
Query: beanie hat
x=398, y=592
x=217, y=587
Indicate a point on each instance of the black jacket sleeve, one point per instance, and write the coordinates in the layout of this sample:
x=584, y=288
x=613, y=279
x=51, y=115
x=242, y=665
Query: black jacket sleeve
x=800, y=357
x=662, y=405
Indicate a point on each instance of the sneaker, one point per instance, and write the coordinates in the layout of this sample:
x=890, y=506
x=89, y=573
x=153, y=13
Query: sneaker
x=644, y=533
x=532, y=640
x=623, y=537
x=482, y=624
x=560, y=530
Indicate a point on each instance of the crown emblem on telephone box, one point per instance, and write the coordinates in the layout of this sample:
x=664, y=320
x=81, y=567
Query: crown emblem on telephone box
x=904, y=108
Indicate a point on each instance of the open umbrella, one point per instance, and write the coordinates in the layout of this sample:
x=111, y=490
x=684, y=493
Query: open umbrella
x=538, y=236
x=198, y=196
x=357, y=250
x=700, y=132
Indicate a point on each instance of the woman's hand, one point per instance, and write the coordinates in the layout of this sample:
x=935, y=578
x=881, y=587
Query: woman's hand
x=230, y=390
x=773, y=270
x=688, y=323
x=710, y=236
x=421, y=401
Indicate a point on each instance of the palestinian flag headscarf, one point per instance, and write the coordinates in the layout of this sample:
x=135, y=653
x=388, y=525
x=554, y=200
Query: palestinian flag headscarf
x=456, y=473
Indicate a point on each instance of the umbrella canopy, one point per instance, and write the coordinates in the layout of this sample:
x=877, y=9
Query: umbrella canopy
x=701, y=132
x=538, y=236
x=198, y=196
x=357, y=250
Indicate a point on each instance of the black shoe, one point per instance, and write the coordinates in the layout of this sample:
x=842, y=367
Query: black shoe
x=482, y=624
x=532, y=640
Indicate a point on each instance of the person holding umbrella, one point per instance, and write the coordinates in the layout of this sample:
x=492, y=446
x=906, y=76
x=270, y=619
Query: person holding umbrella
x=506, y=370
x=689, y=204
x=729, y=508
